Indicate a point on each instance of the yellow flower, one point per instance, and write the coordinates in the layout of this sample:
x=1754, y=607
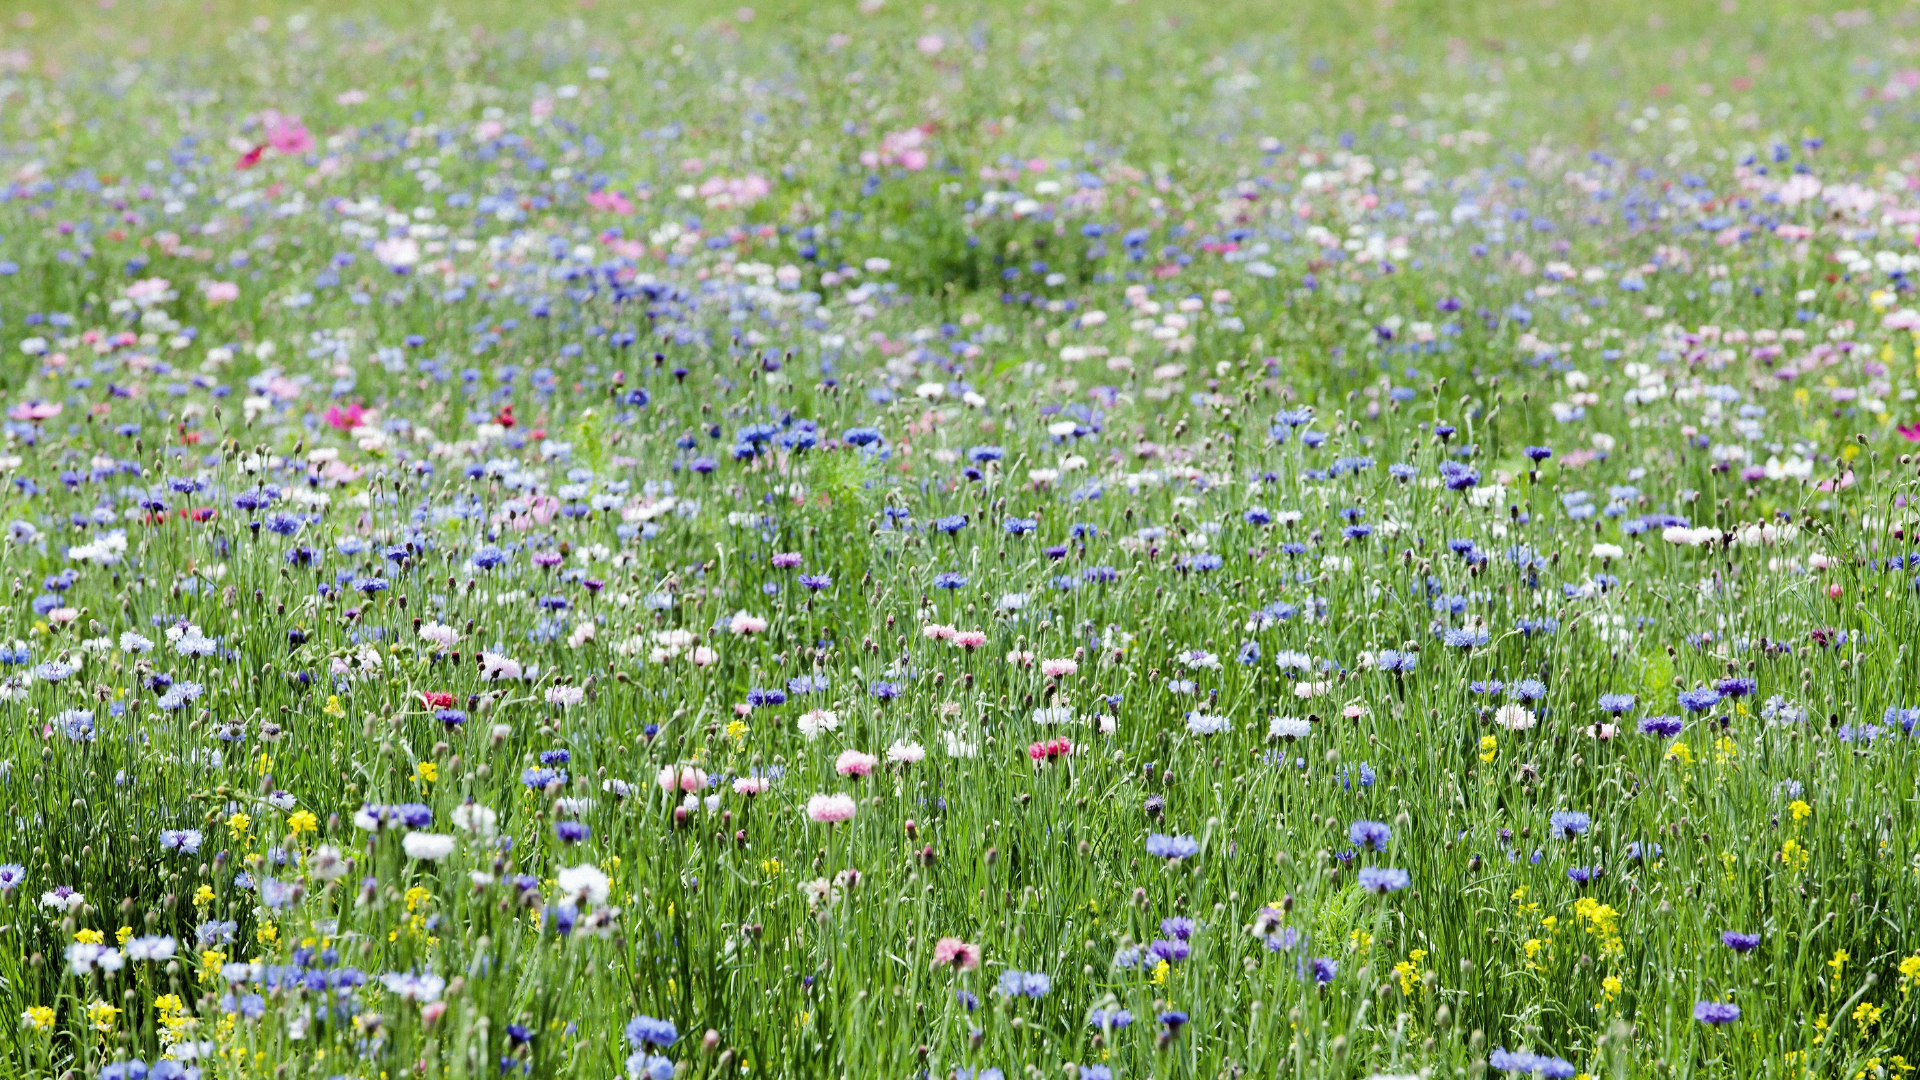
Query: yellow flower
x=1612, y=986
x=426, y=772
x=239, y=823
x=1489, y=748
x=737, y=730
x=1794, y=855
x=102, y=1015
x=1840, y=958
x=1160, y=972
x=302, y=821
x=203, y=896
x=1801, y=811
x=266, y=933
x=210, y=962
x=417, y=896
x=333, y=707
x=1866, y=1014
x=1681, y=753
x=89, y=937
x=121, y=935
x=40, y=1018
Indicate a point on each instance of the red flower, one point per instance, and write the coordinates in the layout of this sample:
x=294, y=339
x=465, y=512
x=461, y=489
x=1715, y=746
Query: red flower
x=436, y=700
x=505, y=416
x=249, y=159
x=1049, y=750
x=1909, y=432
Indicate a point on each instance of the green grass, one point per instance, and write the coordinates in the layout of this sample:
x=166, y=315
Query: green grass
x=1154, y=453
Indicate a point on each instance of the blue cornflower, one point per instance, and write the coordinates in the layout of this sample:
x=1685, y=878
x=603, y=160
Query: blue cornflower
x=1567, y=824
x=645, y=1031
x=1030, y=984
x=1664, y=726
x=1172, y=847
x=1699, y=699
x=1383, y=879
x=1369, y=834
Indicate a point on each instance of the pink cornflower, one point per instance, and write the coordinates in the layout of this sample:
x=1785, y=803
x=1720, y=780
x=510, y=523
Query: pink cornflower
x=970, y=639
x=743, y=623
x=938, y=632
x=827, y=809
x=954, y=953
x=1050, y=750
x=854, y=763
x=682, y=778
x=786, y=560
x=1020, y=658
x=1054, y=669
x=751, y=785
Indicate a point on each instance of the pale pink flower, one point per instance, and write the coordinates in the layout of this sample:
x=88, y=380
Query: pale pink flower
x=970, y=639
x=854, y=763
x=682, y=778
x=1020, y=657
x=703, y=656
x=903, y=752
x=929, y=44
x=827, y=809
x=221, y=292
x=954, y=953
x=751, y=785
x=938, y=632
x=1054, y=669
x=743, y=623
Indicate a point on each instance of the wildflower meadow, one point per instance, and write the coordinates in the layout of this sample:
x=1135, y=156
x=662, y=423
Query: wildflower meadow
x=959, y=541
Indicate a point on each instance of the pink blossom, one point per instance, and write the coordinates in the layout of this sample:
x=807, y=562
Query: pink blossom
x=1054, y=669
x=970, y=639
x=827, y=809
x=682, y=778
x=723, y=192
x=751, y=785
x=930, y=44
x=702, y=656
x=954, y=953
x=937, y=632
x=743, y=623
x=345, y=417
x=36, y=410
x=610, y=201
x=287, y=135
x=221, y=292
x=854, y=763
